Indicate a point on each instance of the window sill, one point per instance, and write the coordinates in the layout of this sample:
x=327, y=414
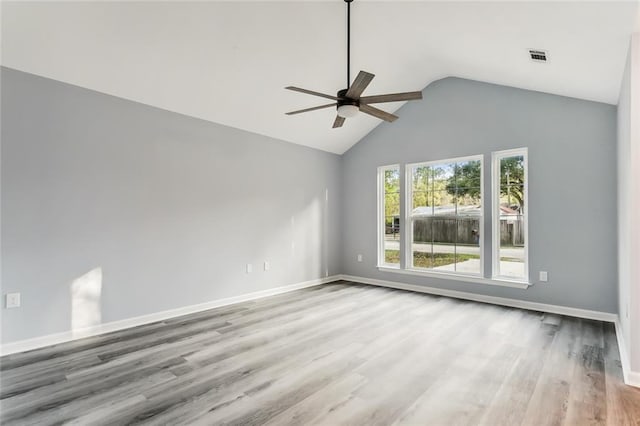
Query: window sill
x=458, y=277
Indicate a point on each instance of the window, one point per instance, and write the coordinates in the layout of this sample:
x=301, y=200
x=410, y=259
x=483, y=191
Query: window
x=510, y=204
x=389, y=216
x=432, y=223
x=444, y=216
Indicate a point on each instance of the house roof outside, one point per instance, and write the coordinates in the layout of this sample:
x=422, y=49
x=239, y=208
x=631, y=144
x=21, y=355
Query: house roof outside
x=450, y=210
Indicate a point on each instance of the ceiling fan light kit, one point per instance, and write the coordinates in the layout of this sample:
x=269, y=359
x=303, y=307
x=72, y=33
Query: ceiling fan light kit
x=348, y=111
x=349, y=102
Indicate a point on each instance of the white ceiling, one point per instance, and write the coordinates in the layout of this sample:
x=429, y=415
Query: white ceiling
x=228, y=62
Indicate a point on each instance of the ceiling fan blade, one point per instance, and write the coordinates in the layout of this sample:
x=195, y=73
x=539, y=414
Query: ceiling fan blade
x=338, y=122
x=378, y=113
x=392, y=97
x=359, y=84
x=311, y=109
x=311, y=92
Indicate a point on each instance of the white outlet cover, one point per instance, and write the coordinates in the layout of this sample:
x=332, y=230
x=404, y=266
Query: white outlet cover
x=359, y=258
x=267, y=266
x=249, y=268
x=12, y=300
x=544, y=276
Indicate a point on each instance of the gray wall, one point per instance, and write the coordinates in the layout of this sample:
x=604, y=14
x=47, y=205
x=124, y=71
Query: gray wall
x=572, y=183
x=169, y=208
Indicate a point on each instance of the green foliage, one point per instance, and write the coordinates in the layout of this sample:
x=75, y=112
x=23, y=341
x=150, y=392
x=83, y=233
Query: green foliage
x=391, y=195
x=512, y=180
x=392, y=181
x=447, y=183
x=429, y=186
x=466, y=180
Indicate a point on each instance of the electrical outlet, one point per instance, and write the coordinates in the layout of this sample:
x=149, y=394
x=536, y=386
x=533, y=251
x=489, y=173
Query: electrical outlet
x=359, y=258
x=544, y=276
x=267, y=266
x=12, y=300
x=249, y=268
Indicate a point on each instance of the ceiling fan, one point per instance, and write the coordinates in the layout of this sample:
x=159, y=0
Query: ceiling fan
x=348, y=101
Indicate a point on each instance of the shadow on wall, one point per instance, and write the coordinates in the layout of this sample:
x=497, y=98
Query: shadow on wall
x=86, y=292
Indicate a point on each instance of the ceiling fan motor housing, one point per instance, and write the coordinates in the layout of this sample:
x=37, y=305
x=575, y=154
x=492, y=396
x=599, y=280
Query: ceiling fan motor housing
x=343, y=100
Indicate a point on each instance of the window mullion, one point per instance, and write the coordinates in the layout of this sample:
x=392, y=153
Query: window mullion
x=403, y=216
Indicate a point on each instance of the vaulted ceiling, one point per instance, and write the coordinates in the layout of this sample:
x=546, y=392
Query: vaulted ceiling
x=228, y=62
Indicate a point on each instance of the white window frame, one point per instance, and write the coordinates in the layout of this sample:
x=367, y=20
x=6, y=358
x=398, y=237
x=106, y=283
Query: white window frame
x=495, y=212
x=408, y=222
x=381, y=215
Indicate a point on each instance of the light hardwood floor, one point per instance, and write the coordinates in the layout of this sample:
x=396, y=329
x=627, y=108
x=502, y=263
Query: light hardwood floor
x=340, y=353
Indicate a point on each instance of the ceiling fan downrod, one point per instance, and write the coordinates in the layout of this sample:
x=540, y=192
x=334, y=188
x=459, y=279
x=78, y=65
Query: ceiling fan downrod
x=348, y=2
x=350, y=101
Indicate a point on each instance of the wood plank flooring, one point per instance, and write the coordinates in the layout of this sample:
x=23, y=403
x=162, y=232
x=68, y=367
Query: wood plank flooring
x=341, y=353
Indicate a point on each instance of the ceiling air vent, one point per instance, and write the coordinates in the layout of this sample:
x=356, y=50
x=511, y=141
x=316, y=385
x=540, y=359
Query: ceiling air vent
x=538, y=55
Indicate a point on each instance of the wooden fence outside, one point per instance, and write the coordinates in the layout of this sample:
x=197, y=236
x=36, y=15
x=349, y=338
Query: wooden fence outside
x=464, y=230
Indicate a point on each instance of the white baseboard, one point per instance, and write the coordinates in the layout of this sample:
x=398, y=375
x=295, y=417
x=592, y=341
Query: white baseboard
x=514, y=303
x=67, y=336
x=632, y=378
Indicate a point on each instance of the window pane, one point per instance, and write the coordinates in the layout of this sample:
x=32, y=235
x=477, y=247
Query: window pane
x=443, y=202
x=392, y=240
x=444, y=242
x=390, y=210
x=512, y=182
x=442, y=192
x=422, y=203
x=392, y=181
x=422, y=229
x=511, y=220
x=421, y=178
x=392, y=204
x=467, y=175
x=442, y=175
x=422, y=255
x=468, y=246
x=421, y=246
x=432, y=202
x=512, y=245
x=469, y=205
x=392, y=225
